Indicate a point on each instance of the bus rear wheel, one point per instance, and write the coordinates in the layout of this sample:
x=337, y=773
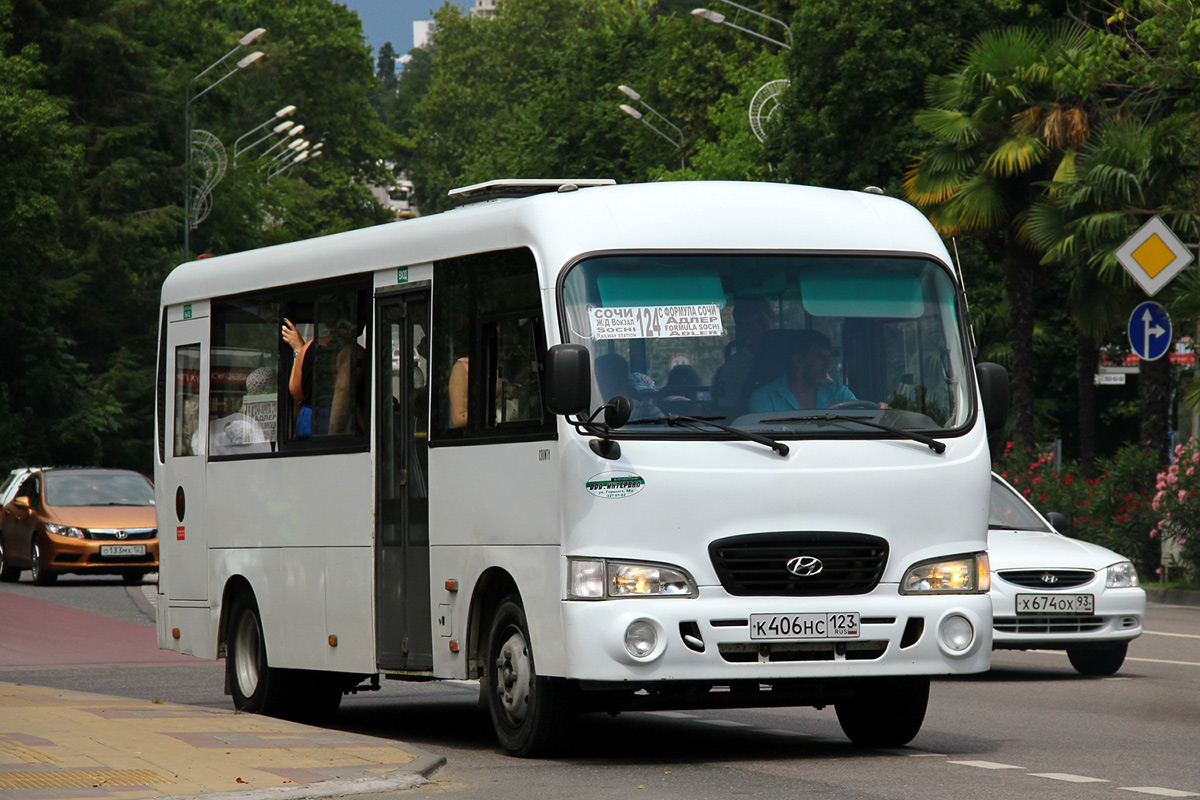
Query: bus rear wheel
x=884, y=712
x=254, y=684
x=530, y=713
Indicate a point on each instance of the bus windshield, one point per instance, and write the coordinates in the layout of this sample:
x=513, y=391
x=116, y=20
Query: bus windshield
x=778, y=343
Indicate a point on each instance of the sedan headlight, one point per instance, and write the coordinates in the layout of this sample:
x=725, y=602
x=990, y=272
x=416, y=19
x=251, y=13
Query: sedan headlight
x=66, y=530
x=969, y=574
x=1121, y=576
x=596, y=579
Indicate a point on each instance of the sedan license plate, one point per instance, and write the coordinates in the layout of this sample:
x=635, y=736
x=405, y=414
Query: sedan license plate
x=804, y=626
x=1056, y=604
x=122, y=549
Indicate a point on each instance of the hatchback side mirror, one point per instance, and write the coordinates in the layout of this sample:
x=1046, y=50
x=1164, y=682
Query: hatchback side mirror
x=994, y=394
x=23, y=502
x=568, y=379
x=1059, y=522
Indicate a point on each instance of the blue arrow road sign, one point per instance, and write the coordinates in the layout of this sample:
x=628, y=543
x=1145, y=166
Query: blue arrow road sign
x=1150, y=331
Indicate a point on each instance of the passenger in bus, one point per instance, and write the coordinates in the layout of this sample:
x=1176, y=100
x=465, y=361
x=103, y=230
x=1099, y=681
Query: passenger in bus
x=680, y=394
x=458, y=393
x=752, y=317
x=613, y=378
x=328, y=374
x=805, y=381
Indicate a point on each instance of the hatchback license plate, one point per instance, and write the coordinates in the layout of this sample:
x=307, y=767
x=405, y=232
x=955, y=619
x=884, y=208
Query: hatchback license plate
x=1056, y=604
x=804, y=626
x=122, y=549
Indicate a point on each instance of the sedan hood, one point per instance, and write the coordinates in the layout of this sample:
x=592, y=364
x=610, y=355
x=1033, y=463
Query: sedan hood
x=103, y=516
x=1008, y=549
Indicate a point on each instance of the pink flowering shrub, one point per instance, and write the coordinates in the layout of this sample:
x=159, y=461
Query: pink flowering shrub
x=1113, y=510
x=1177, y=501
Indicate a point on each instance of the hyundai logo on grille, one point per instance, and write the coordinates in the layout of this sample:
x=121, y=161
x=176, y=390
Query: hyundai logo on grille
x=805, y=566
x=1049, y=578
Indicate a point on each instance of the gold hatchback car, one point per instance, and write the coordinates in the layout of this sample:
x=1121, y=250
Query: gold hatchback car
x=80, y=520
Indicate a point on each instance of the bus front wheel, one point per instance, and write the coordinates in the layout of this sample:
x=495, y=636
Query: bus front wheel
x=884, y=712
x=530, y=713
x=251, y=679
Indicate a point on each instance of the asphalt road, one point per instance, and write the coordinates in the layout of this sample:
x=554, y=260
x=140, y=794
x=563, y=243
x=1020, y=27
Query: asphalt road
x=1030, y=728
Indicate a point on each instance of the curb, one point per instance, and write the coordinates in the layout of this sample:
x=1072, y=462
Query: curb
x=1175, y=597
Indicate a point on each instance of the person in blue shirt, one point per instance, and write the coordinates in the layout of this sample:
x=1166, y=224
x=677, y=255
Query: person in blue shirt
x=805, y=383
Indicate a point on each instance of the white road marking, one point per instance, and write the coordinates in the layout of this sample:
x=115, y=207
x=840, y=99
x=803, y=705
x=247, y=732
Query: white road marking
x=1165, y=661
x=1156, y=790
x=1178, y=635
x=1068, y=777
x=671, y=714
x=985, y=764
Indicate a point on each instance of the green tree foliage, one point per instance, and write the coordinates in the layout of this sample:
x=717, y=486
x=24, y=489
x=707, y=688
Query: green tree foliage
x=92, y=191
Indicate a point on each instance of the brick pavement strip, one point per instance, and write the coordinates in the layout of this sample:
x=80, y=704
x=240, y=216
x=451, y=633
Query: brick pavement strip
x=56, y=745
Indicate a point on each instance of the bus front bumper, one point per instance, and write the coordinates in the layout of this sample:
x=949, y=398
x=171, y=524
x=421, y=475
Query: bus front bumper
x=665, y=639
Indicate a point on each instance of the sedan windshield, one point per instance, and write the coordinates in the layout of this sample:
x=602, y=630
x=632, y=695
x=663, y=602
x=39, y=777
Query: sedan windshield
x=98, y=489
x=781, y=344
x=1010, y=512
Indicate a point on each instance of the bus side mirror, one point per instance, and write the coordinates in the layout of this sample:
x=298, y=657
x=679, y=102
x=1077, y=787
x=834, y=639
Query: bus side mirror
x=993, y=392
x=568, y=379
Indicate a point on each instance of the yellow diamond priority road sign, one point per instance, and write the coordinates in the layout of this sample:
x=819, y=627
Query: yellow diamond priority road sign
x=1153, y=256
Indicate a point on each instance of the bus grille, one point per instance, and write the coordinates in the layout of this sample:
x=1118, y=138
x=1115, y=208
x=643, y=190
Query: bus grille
x=756, y=565
x=1049, y=623
x=1048, y=578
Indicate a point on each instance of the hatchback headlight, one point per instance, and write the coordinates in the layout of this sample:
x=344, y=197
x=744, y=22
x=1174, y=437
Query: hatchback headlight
x=969, y=574
x=1121, y=576
x=66, y=530
x=596, y=579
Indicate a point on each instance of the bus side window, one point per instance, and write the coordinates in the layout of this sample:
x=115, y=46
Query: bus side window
x=488, y=347
x=187, y=399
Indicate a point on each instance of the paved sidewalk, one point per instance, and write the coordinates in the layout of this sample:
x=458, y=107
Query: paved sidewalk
x=58, y=744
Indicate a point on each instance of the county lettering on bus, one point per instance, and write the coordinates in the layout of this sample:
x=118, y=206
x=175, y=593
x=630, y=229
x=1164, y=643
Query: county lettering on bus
x=578, y=443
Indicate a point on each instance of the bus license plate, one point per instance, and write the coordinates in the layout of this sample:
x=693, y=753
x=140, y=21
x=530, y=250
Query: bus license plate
x=122, y=549
x=804, y=626
x=1056, y=604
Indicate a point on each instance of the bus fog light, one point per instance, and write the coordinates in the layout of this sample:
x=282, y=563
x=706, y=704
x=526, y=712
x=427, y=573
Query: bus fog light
x=640, y=638
x=957, y=633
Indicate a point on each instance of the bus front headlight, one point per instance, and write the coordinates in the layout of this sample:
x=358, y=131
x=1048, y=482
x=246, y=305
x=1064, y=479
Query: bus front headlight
x=596, y=579
x=967, y=574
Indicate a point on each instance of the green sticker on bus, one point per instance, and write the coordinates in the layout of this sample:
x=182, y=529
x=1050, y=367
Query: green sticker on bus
x=615, y=484
x=402, y=275
x=187, y=311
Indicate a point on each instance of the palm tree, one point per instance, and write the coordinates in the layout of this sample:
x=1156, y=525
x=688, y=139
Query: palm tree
x=999, y=130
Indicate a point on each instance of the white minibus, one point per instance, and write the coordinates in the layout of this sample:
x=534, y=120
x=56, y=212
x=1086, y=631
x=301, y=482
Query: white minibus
x=601, y=447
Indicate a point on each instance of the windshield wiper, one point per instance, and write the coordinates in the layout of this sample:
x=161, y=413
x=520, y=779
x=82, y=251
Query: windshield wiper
x=675, y=420
x=932, y=443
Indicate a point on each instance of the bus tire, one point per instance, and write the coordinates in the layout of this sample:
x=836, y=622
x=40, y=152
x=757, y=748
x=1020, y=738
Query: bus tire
x=530, y=713
x=884, y=712
x=1098, y=659
x=255, y=686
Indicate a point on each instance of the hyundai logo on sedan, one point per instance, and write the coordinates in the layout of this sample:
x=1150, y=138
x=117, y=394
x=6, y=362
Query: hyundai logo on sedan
x=1049, y=578
x=805, y=566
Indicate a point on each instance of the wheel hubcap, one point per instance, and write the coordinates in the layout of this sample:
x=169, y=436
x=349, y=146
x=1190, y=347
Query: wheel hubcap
x=36, y=566
x=245, y=654
x=514, y=676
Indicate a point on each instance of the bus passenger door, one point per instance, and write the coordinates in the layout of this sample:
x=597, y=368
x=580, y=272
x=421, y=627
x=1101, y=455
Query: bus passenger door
x=403, y=634
x=182, y=512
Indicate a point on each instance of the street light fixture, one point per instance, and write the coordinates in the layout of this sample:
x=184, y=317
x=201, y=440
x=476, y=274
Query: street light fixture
x=219, y=157
x=718, y=18
x=635, y=114
x=287, y=141
x=286, y=111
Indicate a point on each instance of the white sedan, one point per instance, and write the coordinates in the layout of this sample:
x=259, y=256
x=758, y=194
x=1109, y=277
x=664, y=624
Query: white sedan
x=1050, y=592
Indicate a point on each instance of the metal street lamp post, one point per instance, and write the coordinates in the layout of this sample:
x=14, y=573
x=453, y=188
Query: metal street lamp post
x=286, y=111
x=633, y=113
x=189, y=98
x=718, y=18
